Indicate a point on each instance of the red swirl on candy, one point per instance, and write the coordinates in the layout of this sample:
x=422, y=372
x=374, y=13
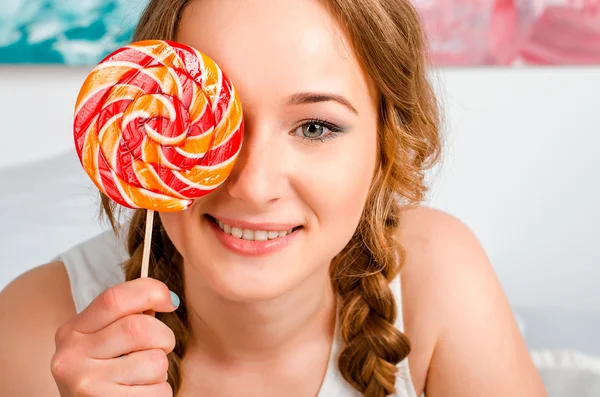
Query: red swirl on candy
x=157, y=124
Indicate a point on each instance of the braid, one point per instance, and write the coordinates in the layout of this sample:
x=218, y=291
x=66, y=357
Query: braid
x=361, y=274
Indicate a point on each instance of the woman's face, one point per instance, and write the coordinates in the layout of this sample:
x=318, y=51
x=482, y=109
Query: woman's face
x=308, y=156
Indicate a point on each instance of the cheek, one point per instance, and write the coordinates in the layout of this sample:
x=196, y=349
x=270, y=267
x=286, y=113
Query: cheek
x=341, y=184
x=174, y=224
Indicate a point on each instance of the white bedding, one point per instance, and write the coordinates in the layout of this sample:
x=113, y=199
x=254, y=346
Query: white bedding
x=568, y=373
x=48, y=206
x=45, y=207
x=565, y=348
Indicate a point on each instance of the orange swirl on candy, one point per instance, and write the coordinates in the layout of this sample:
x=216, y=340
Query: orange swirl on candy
x=157, y=124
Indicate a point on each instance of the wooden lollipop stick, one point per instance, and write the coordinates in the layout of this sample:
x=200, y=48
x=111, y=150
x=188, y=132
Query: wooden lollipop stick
x=147, y=242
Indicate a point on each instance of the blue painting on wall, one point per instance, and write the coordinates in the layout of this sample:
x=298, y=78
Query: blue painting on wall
x=66, y=32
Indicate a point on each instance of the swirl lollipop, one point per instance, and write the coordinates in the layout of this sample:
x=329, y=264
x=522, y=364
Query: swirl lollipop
x=157, y=125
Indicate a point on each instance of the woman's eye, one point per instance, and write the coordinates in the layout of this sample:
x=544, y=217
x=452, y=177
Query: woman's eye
x=313, y=130
x=317, y=130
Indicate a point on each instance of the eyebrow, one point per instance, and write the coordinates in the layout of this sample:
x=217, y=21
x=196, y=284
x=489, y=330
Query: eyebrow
x=303, y=98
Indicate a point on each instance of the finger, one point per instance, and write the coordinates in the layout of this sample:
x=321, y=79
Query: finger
x=157, y=390
x=121, y=300
x=129, y=334
x=146, y=367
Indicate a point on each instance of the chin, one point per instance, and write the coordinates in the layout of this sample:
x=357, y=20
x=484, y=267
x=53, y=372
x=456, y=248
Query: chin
x=253, y=285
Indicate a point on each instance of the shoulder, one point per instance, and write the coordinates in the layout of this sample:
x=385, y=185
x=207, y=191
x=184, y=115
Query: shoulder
x=457, y=314
x=442, y=255
x=32, y=307
x=44, y=286
x=421, y=227
x=41, y=295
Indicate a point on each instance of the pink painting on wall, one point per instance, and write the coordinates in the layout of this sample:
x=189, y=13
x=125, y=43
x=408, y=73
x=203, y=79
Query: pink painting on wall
x=512, y=32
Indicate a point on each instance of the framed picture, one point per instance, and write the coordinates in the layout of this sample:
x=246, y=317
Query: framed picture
x=65, y=32
x=461, y=32
x=512, y=32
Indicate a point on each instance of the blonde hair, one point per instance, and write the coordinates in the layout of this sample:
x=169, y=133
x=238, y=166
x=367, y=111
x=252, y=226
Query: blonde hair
x=388, y=40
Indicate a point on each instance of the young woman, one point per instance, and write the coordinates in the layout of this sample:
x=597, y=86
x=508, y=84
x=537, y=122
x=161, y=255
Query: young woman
x=311, y=271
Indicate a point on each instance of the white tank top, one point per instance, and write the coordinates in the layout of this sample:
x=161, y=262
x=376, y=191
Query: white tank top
x=94, y=265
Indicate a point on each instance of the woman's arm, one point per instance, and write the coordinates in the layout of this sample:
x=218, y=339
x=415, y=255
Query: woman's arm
x=479, y=350
x=32, y=307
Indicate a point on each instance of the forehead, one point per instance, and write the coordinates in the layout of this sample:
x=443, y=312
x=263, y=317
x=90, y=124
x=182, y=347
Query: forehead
x=275, y=47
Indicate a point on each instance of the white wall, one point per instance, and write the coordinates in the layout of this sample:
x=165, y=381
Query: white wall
x=522, y=169
x=36, y=106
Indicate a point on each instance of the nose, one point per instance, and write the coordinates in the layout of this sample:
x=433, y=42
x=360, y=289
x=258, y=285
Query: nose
x=256, y=175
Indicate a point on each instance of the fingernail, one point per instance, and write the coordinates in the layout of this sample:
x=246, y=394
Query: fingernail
x=175, y=299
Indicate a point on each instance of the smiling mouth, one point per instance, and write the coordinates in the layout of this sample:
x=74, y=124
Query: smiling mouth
x=250, y=234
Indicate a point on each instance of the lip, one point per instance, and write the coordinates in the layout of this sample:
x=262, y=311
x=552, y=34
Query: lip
x=252, y=248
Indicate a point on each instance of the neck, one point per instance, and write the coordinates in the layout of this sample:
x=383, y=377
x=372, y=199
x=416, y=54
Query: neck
x=236, y=331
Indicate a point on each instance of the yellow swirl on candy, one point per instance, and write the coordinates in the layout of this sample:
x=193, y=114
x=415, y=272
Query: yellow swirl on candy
x=157, y=124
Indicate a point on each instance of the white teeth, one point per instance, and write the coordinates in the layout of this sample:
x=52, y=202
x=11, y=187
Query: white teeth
x=253, y=235
x=248, y=234
x=236, y=232
x=260, y=235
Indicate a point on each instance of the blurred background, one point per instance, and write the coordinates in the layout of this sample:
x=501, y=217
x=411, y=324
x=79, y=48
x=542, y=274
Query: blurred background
x=519, y=83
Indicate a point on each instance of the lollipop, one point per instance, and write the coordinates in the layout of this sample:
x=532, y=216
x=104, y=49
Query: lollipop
x=157, y=125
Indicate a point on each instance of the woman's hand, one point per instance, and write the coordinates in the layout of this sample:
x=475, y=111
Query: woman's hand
x=112, y=349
